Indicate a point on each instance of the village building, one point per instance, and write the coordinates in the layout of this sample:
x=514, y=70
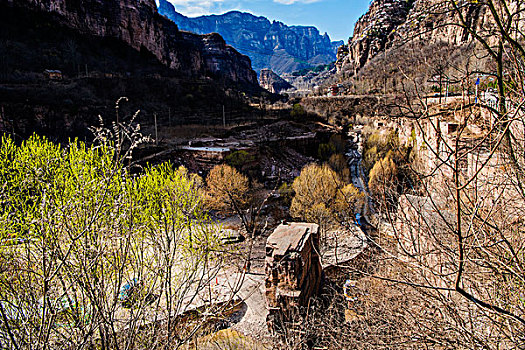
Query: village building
x=53, y=74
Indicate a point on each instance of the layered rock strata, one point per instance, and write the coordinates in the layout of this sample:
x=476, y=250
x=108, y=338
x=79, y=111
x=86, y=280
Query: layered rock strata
x=293, y=271
x=272, y=82
x=392, y=23
x=272, y=45
x=138, y=24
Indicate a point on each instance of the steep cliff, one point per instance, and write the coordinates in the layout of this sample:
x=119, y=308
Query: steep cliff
x=272, y=82
x=272, y=45
x=422, y=43
x=373, y=30
x=137, y=23
x=389, y=24
x=100, y=51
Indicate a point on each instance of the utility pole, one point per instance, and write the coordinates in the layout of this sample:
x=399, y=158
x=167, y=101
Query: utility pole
x=440, y=86
x=446, y=90
x=477, y=85
x=223, y=116
x=384, y=74
x=156, y=131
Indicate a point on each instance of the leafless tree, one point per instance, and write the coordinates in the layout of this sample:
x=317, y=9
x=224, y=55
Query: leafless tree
x=459, y=235
x=94, y=257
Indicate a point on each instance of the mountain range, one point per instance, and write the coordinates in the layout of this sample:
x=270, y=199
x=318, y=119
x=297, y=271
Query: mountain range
x=273, y=45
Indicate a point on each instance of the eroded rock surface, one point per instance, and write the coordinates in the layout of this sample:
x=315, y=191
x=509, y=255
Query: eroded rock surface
x=293, y=271
x=272, y=82
x=273, y=45
x=391, y=23
x=137, y=23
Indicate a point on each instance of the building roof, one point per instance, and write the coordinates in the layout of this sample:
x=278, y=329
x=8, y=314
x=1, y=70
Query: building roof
x=290, y=237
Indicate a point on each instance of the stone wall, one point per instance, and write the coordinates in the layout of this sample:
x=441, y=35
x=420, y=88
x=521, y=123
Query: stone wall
x=293, y=271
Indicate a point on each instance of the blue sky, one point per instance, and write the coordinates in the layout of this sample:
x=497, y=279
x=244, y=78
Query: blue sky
x=336, y=17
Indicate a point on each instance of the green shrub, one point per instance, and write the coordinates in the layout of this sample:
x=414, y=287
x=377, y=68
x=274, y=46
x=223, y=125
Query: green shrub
x=238, y=159
x=286, y=192
x=298, y=112
x=325, y=151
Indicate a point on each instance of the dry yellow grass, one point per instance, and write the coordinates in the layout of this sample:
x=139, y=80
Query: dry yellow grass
x=227, y=339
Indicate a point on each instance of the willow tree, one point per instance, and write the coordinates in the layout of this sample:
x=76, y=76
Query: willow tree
x=229, y=191
x=383, y=182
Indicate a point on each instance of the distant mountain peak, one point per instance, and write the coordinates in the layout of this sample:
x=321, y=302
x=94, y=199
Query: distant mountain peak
x=269, y=44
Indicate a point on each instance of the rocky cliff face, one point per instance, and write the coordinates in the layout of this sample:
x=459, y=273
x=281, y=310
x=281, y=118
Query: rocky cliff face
x=390, y=23
x=138, y=24
x=104, y=50
x=373, y=30
x=272, y=82
x=273, y=45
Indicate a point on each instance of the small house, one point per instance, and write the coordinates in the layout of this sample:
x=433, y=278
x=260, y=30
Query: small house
x=53, y=74
x=334, y=90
